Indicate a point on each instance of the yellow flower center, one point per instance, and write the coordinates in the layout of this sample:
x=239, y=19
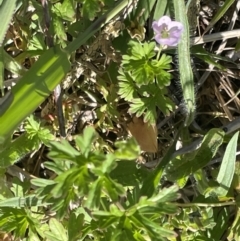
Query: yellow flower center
x=165, y=33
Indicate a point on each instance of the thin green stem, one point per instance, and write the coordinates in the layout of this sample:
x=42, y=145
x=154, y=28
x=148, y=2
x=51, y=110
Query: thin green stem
x=159, y=52
x=187, y=205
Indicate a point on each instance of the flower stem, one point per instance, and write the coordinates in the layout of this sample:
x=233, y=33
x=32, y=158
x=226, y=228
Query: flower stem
x=159, y=51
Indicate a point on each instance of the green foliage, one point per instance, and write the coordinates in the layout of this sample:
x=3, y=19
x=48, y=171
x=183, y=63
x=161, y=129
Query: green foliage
x=178, y=169
x=143, y=68
x=17, y=220
x=226, y=172
x=31, y=140
x=129, y=151
x=93, y=190
x=196, y=219
x=56, y=231
x=91, y=8
x=85, y=174
x=37, y=84
x=143, y=81
x=7, y=9
x=136, y=216
x=65, y=10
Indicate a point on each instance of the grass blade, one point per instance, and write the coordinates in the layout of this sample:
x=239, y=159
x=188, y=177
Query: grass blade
x=6, y=12
x=35, y=86
x=160, y=9
x=227, y=168
x=219, y=14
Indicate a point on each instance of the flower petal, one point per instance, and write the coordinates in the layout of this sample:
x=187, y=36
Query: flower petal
x=164, y=20
x=173, y=41
x=175, y=24
x=175, y=32
x=157, y=28
x=167, y=32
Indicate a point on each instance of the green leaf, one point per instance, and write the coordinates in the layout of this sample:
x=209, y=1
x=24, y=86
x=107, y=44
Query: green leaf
x=40, y=182
x=234, y=232
x=127, y=86
x=62, y=151
x=154, y=230
x=160, y=9
x=65, y=10
x=127, y=150
x=207, y=57
x=210, y=144
x=109, y=164
x=13, y=219
x=128, y=174
x=7, y=9
x=162, y=76
x=58, y=232
x=90, y=8
x=147, y=105
x=138, y=62
x=226, y=172
x=221, y=218
x=32, y=89
x=114, y=189
x=204, y=186
x=93, y=198
x=18, y=149
x=85, y=141
x=55, y=167
x=37, y=42
x=75, y=223
x=29, y=201
x=59, y=30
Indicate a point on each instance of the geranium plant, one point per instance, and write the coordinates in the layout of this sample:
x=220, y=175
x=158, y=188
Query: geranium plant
x=143, y=75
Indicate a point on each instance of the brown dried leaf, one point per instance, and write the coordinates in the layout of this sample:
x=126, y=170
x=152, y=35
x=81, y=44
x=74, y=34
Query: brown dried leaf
x=145, y=134
x=5, y=237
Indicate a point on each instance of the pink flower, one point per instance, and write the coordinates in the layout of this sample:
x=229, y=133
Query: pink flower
x=167, y=32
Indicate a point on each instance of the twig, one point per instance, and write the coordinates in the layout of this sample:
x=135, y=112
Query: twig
x=57, y=90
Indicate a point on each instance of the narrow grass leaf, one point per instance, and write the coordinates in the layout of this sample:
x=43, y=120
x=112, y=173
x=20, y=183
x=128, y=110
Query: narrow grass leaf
x=1, y=70
x=227, y=168
x=144, y=9
x=219, y=14
x=34, y=87
x=160, y=9
x=210, y=58
x=6, y=12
